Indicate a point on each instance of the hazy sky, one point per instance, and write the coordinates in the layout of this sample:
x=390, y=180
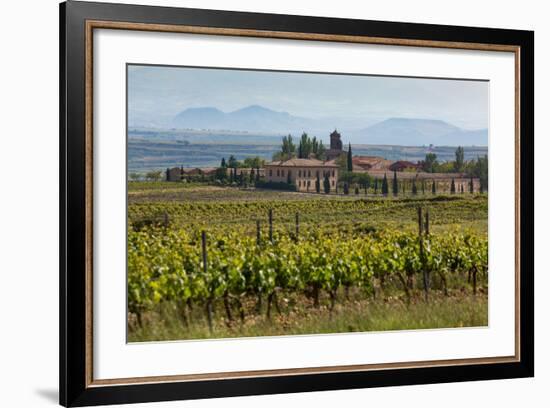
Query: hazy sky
x=159, y=93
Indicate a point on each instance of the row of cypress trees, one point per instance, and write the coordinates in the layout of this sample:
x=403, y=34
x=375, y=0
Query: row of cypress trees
x=384, y=186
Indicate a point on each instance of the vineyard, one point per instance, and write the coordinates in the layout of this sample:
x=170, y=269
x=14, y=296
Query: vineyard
x=199, y=268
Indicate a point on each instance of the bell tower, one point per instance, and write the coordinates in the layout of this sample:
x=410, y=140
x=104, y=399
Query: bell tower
x=335, y=141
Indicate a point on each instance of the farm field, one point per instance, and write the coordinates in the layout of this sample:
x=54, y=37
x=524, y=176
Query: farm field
x=204, y=262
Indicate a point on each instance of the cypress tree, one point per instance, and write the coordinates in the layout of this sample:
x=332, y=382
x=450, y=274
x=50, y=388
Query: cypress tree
x=453, y=187
x=423, y=186
x=350, y=160
x=346, y=188
x=356, y=190
x=375, y=186
x=223, y=164
x=288, y=179
x=471, y=185
x=433, y=187
x=414, y=191
x=317, y=184
x=252, y=178
x=326, y=183
x=395, y=187
x=385, y=185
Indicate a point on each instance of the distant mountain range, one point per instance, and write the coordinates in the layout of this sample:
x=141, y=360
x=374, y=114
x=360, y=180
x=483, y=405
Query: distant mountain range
x=407, y=132
x=393, y=131
x=253, y=118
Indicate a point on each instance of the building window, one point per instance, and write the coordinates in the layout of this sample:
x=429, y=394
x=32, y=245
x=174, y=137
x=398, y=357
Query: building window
x=299, y=173
x=289, y=173
x=270, y=172
x=332, y=183
x=309, y=175
x=282, y=173
x=332, y=173
x=308, y=183
x=278, y=173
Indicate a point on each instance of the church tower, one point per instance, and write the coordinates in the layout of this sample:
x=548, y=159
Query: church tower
x=335, y=141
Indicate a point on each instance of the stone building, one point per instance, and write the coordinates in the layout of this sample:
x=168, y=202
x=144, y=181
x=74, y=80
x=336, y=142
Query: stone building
x=180, y=173
x=174, y=174
x=303, y=173
x=336, y=147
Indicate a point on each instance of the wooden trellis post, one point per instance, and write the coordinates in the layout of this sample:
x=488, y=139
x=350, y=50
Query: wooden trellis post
x=271, y=225
x=205, y=269
x=297, y=226
x=422, y=261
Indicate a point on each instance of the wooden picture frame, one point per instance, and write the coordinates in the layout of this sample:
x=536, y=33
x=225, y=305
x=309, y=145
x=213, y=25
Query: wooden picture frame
x=78, y=20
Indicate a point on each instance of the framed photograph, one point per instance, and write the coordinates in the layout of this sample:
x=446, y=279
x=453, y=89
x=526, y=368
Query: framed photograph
x=256, y=203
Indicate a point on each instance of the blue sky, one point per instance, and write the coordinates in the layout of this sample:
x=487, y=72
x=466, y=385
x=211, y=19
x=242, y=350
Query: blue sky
x=156, y=94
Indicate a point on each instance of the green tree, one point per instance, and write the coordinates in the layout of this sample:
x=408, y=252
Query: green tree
x=223, y=164
x=430, y=163
x=453, y=187
x=481, y=170
x=326, y=184
x=321, y=152
x=471, y=185
x=134, y=176
x=375, y=186
x=350, y=159
x=305, y=147
x=395, y=186
x=288, y=147
x=232, y=162
x=311, y=146
x=221, y=173
x=459, y=159
x=346, y=188
x=414, y=190
x=433, y=187
x=253, y=162
x=153, y=175
x=385, y=185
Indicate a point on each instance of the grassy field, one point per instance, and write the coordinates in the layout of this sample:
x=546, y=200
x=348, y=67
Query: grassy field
x=161, y=208
x=361, y=315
